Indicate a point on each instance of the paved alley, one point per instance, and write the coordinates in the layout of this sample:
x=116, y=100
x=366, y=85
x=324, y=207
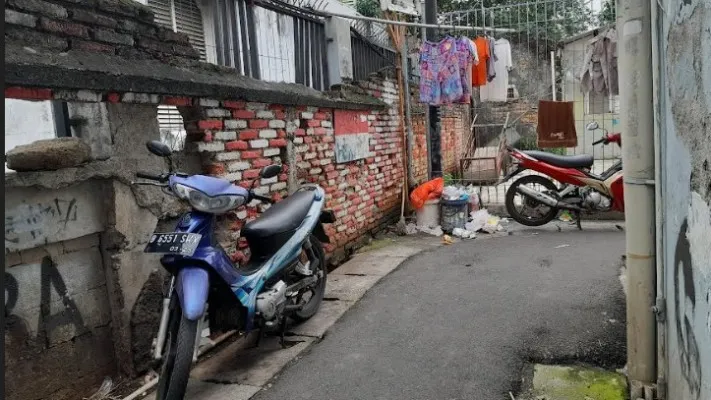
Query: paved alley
x=462, y=321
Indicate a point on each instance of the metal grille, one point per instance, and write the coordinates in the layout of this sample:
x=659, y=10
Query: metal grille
x=548, y=40
x=368, y=57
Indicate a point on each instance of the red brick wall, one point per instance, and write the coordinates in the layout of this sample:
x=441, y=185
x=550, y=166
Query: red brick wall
x=238, y=138
x=454, y=126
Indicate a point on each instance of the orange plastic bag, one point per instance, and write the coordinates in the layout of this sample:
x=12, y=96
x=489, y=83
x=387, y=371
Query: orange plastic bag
x=427, y=191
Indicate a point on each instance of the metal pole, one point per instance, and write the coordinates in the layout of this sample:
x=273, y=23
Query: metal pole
x=637, y=120
x=408, y=110
x=433, y=120
x=553, y=75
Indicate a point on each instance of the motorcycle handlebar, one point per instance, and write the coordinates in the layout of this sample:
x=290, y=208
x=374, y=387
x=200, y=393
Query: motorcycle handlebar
x=603, y=140
x=151, y=176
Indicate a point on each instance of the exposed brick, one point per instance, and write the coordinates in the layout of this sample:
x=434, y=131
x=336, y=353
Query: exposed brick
x=251, y=174
x=238, y=105
x=27, y=94
x=169, y=36
x=248, y=134
x=271, y=152
x=209, y=103
x=313, y=123
x=259, y=143
x=217, y=113
x=264, y=114
x=210, y=124
x=64, y=28
x=113, y=97
x=229, y=156
x=243, y=114
x=107, y=36
x=307, y=115
x=140, y=98
x=232, y=176
x=93, y=18
x=215, y=169
x=320, y=116
x=35, y=38
x=320, y=131
x=247, y=155
x=119, y=7
x=277, y=143
x=238, y=166
x=78, y=95
x=262, y=162
x=17, y=18
x=210, y=147
x=41, y=7
x=94, y=47
x=235, y=124
x=177, y=101
x=267, y=134
x=236, y=145
x=258, y=123
x=207, y=136
x=225, y=135
x=275, y=123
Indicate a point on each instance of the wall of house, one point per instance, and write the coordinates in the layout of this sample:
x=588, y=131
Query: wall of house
x=684, y=104
x=572, y=57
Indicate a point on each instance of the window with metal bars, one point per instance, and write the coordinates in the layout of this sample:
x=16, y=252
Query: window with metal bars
x=185, y=17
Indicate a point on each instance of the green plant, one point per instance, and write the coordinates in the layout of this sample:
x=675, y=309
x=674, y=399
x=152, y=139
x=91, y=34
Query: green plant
x=530, y=143
x=368, y=8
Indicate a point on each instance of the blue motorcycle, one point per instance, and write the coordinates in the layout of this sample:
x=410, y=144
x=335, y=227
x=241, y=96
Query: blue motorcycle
x=284, y=278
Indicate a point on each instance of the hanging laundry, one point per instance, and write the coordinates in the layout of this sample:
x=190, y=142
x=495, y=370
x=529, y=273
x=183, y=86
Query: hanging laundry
x=490, y=68
x=467, y=58
x=479, y=76
x=556, y=124
x=498, y=88
x=599, y=73
x=440, y=80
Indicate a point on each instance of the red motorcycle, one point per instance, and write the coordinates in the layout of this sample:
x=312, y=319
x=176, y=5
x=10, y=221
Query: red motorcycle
x=580, y=190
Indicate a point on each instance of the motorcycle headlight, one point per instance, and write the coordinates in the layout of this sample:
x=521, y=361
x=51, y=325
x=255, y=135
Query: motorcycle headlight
x=202, y=202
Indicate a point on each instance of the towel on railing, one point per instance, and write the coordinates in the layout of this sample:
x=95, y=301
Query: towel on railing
x=556, y=124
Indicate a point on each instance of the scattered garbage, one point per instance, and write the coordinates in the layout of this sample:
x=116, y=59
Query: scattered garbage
x=457, y=208
x=446, y=239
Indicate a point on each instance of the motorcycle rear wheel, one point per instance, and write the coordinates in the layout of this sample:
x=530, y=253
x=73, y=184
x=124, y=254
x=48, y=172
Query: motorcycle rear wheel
x=314, y=303
x=528, y=220
x=178, y=357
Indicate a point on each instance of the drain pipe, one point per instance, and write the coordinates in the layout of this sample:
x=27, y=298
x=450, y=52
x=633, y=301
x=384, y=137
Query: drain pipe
x=657, y=84
x=634, y=31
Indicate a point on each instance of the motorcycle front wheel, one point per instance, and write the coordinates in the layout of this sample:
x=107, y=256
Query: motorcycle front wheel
x=177, y=357
x=319, y=289
x=540, y=214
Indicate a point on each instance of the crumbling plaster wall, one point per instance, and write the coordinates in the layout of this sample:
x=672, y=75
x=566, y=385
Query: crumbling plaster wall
x=76, y=268
x=685, y=116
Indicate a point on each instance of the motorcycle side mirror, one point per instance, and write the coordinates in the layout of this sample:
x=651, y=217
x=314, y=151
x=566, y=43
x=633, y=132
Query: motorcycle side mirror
x=592, y=126
x=270, y=171
x=159, y=148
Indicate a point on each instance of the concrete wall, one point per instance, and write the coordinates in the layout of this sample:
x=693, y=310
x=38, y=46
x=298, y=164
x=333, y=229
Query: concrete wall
x=685, y=115
x=58, y=339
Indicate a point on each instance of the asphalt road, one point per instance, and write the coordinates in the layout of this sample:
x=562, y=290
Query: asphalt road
x=462, y=321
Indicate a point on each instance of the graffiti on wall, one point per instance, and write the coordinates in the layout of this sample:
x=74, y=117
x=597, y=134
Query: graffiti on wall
x=48, y=321
x=685, y=304
x=352, y=137
x=34, y=222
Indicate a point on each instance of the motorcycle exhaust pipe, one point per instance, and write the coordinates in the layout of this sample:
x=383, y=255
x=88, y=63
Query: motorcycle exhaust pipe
x=546, y=199
x=163, y=327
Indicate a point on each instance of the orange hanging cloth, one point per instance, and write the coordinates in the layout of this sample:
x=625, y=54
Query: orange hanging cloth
x=479, y=70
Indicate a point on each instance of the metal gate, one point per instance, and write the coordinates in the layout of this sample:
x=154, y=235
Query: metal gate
x=548, y=41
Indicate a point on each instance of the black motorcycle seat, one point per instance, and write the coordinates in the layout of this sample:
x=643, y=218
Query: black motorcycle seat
x=284, y=216
x=578, y=161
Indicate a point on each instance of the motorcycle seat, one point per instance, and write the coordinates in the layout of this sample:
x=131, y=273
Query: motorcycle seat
x=577, y=161
x=282, y=217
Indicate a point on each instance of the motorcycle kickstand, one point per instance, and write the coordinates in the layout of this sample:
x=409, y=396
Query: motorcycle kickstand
x=577, y=220
x=260, y=335
x=282, y=332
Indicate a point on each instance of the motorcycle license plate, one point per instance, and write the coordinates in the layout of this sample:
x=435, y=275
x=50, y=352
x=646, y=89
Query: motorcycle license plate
x=175, y=243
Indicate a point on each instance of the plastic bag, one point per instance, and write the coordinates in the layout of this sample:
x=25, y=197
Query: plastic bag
x=479, y=220
x=427, y=191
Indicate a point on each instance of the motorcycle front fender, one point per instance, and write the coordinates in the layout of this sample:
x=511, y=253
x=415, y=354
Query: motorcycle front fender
x=192, y=287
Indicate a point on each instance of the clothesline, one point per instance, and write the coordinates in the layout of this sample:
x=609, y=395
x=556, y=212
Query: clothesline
x=415, y=24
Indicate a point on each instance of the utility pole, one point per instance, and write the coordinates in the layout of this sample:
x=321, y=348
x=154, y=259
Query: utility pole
x=634, y=29
x=434, y=148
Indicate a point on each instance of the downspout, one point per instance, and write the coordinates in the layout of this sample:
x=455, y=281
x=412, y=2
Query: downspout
x=660, y=307
x=638, y=156
x=408, y=110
